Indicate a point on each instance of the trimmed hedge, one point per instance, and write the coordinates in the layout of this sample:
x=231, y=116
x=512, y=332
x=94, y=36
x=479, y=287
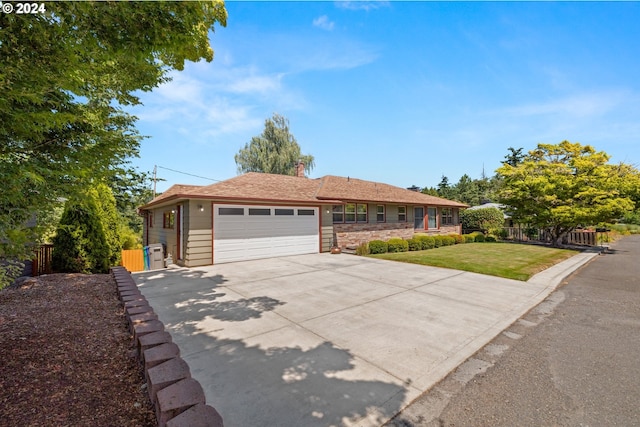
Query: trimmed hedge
x=438, y=241
x=397, y=244
x=448, y=241
x=378, y=247
x=479, y=238
x=426, y=242
x=469, y=238
x=490, y=239
x=414, y=244
x=458, y=238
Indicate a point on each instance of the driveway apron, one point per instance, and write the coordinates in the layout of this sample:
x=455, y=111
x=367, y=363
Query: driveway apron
x=330, y=340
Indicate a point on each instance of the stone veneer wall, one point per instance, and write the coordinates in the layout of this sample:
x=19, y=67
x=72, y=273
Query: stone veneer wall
x=355, y=234
x=350, y=235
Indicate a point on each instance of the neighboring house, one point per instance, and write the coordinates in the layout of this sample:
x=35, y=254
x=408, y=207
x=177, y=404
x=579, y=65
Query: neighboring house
x=508, y=222
x=258, y=215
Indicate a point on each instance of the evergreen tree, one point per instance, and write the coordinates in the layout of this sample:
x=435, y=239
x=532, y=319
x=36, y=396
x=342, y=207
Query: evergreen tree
x=445, y=190
x=109, y=218
x=467, y=191
x=80, y=244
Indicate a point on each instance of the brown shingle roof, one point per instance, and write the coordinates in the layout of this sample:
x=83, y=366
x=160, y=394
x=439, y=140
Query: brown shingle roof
x=176, y=189
x=266, y=187
x=351, y=189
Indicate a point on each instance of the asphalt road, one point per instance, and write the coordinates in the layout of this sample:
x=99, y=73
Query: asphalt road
x=574, y=360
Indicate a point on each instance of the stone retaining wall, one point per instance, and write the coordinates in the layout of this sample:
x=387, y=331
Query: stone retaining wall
x=178, y=399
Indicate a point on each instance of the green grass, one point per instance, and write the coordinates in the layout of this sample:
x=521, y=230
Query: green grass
x=513, y=261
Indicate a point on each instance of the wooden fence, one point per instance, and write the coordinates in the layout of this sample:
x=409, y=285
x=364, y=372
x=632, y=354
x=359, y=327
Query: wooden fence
x=582, y=238
x=41, y=263
x=133, y=259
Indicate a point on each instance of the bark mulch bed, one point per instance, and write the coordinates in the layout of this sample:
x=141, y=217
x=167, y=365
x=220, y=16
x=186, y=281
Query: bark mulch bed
x=66, y=355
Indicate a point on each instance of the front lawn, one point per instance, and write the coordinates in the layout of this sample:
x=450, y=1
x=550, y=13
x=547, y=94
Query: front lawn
x=513, y=261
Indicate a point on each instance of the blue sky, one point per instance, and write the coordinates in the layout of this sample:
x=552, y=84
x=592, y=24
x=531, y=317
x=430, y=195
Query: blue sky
x=402, y=92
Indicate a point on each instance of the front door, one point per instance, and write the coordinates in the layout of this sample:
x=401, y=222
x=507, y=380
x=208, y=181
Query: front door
x=418, y=218
x=432, y=218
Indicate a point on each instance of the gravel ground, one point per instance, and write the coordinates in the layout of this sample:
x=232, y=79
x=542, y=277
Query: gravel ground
x=66, y=355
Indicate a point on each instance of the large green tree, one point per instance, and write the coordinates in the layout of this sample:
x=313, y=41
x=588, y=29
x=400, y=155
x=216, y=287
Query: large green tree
x=559, y=187
x=467, y=191
x=66, y=76
x=274, y=151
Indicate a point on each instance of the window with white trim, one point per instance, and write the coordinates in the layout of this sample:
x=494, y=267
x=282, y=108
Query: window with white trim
x=402, y=214
x=338, y=213
x=446, y=216
x=380, y=213
x=361, y=213
x=350, y=212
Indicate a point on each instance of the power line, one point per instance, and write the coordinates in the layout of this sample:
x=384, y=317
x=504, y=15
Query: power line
x=155, y=178
x=190, y=174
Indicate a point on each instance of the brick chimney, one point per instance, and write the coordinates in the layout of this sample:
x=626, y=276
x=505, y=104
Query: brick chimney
x=300, y=169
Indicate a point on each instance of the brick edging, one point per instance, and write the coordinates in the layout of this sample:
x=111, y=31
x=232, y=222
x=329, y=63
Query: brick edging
x=178, y=399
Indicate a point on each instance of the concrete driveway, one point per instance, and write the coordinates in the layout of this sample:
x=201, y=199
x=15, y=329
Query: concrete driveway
x=331, y=340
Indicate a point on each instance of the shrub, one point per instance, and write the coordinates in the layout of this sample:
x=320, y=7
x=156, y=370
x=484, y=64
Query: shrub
x=378, y=247
x=458, y=238
x=501, y=234
x=426, y=242
x=363, y=249
x=448, y=241
x=80, y=244
x=397, y=244
x=490, y=239
x=438, y=241
x=469, y=238
x=479, y=238
x=481, y=219
x=531, y=232
x=414, y=244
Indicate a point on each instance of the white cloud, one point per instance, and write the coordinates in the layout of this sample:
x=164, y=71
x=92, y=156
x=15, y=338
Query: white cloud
x=580, y=105
x=205, y=103
x=323, y=23
x=361, y=5
x=332, y=55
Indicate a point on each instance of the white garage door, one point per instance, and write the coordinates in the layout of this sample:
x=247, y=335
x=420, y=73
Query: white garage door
x=253, y=232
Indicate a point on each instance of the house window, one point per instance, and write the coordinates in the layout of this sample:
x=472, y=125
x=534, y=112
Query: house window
x=362, y=213
x=168, y=219
x=380, y=214
x=338, y=213
x=350, y=212
x=309, y=212
x=230, y=211
x=418, y=218
x=432, y=218
x=402, y=214
x=259, y=211
x=284, y=212
x=446, y=216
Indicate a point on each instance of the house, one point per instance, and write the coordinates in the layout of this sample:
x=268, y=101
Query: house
x=259, y=215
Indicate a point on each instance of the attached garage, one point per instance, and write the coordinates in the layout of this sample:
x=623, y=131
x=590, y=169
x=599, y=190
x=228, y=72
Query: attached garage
x=245, y=232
